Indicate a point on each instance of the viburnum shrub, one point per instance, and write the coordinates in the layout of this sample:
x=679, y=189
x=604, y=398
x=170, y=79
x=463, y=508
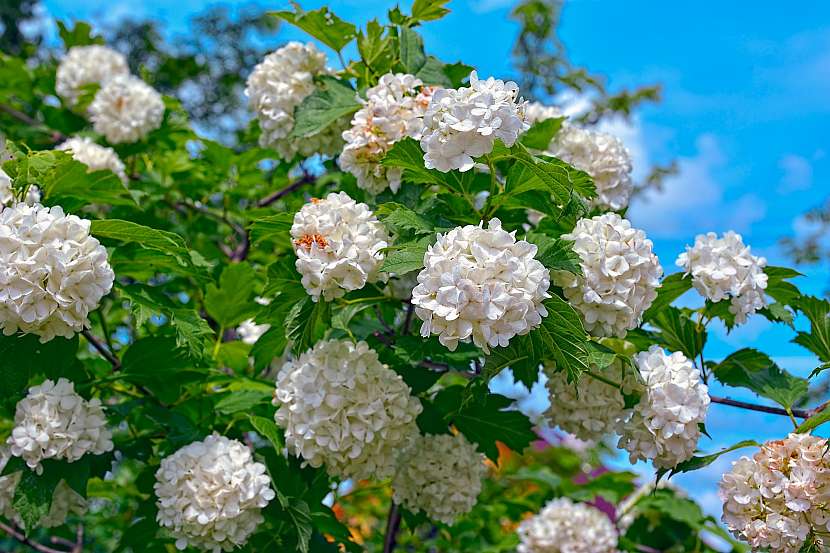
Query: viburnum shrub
x=288, y=343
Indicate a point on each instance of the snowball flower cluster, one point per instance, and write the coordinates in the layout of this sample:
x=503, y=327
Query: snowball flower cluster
x=440, y=475
x=83, y=65
x=480, y=283
x=563, y=526
x=778, y=497
x=126, y=109
x=724, y=268
x=7, y=194
x=65, y=500
x=341, y=407
x=536, y=112
x=279, y=84
x=52, y=272
x=664, y=425
x=338, y=243
x=589, y=408
x=54, y=422
x=620, y=275
x=210, y=494
x=603, y=157
x=94, y=156
x=461, y=124
x=394, y=109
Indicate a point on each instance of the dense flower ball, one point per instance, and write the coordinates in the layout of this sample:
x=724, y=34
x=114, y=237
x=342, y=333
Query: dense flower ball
x=779, y=496
x=126, y=109
x=52, y=272
x=65, y=500
x=279, y=84
x=724, y=268
x=620, y=275
x=394, y=109
x=440, y=475
x=589, y=408
x=480, y=283
x=664, y=425
x=94, y=156
x=563, y=526
x=210, y=494
x=602, y=156
x=462, y=124
x=7, y=195
x=83, y=65
x=341, y=407
x=338, y=243
x=536, y=112
x=54, y=422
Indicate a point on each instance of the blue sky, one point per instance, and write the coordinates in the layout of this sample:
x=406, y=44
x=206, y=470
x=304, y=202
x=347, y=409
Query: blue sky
x=745, y=112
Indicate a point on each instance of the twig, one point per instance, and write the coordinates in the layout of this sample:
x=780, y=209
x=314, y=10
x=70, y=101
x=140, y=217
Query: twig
x=18, y=536
x=393, y=524
x=102, y=349
x=800, y=413
x=31, y=121
x=271, y=198
x=407, y=322
x=240, y=252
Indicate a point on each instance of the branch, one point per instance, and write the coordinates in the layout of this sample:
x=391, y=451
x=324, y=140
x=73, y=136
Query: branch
x=243, y=242
x=19, y=537
x=31, y=121
x=393, y=524
x=271, y=198
x=102, y=349
x=800, y=413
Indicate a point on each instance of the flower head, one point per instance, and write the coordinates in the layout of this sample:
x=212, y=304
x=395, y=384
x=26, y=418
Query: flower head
x=462, y=124
x=724, y=268
x=563, y=526
x=620, y=275
x=126, y=109
x=94, y=156
x=53, y=272
x=83, y=65
x=440, y=475
x=340, y=407
x=481, y=284
x=665, y=425
x=53, y=422
x=338, y=243
x=210, y=494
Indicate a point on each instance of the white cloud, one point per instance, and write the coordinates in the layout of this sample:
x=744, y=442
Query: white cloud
x=797, y=173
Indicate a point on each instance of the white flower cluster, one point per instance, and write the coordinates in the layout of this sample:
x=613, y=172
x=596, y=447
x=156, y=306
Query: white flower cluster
x=778, y=497
x=620, y=275
x=482, y=284
x=664, y=425
x=461, y=124
x=53, y=272
x=536, y=112
x=563, y=526
x=94, y=156
x=65, y=500
x=394, y=109
x=440, y=475
x=589, y=408
x=249, y=331
x=279, y=84
x=83, y=65
x=338, y=243
x=7, y=196
x=341, y=407
x=210, y=494
x=126, y=109
x=53, y=422
x=724, y=267
x=603, y=156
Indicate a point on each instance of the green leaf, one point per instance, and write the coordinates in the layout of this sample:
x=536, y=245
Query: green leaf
x=483, y=421
x=406, y=154
x=672, y=287
x=331, y=100
x=558, y=177
x=778, y=287
x=429, y=10
x=814, y=421
x=433, y=73
x=80, y=34
x=306, y=322
x=817, y=340
x=407, y=257
x=401, y=218
x=33, y=496
x=375, y=48
x=612, y=486
x=233, y=300
x=273, y=226
x=679, y=332
x=411, y=50
x=269, y=346
x=158, y=364
x=322, y=24
x=242, y=400
x=540, y=134
x=752, y=369
x=698, y=462
x=268, y=429
x=556, y=254
x=22, y=356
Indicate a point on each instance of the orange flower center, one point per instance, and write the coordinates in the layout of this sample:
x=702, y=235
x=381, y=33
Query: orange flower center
x=308, y=239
